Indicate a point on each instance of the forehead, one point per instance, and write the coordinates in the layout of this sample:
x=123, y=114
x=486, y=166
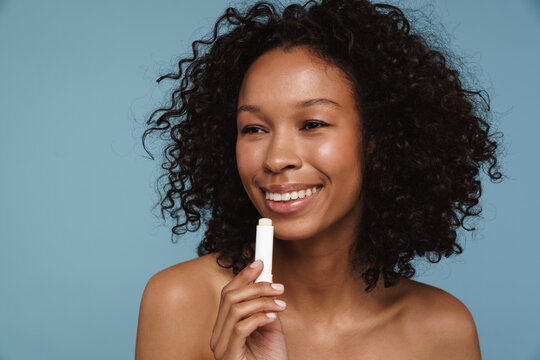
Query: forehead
x=284, y=78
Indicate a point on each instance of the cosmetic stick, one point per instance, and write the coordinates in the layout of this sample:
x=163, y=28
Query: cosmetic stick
x=264, y=246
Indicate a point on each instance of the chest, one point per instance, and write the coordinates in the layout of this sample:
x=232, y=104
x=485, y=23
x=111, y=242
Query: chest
x=381, y=341
x=385, y=337
x=385, y=342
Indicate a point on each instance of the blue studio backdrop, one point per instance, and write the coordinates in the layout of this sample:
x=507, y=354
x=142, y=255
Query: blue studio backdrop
x=78, y=236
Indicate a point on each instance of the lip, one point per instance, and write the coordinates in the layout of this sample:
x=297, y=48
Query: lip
x=291, y=206
x=276, y=188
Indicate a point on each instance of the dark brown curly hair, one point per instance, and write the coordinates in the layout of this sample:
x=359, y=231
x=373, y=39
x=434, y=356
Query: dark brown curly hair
x=431, y=134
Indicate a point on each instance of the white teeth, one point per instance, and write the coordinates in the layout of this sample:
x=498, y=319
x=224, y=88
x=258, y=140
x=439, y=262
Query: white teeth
x=292, y=195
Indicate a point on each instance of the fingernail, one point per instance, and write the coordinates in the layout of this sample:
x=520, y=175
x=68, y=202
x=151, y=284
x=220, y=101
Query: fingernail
x=278, y=286
x=255, y=264
x=280, y=303
x=271, y=315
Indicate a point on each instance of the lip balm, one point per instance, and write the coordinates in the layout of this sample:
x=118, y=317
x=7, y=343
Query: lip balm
x=264, y=246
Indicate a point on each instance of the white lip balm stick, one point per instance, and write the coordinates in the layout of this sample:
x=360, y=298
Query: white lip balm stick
x=264, y=245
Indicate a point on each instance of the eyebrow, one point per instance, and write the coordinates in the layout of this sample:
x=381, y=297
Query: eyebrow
x=300, y=105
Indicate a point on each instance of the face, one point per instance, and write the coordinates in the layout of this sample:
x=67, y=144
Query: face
x=289, y=142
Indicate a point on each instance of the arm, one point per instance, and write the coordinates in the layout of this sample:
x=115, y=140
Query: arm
x=169, y=326
x=458, y=338
x=438, y=325
x=450, y=329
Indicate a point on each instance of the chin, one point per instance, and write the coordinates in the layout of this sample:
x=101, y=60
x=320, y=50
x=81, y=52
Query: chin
x=292, y=232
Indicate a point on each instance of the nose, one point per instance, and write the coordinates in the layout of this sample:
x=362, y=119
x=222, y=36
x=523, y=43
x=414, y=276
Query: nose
x=282, y=153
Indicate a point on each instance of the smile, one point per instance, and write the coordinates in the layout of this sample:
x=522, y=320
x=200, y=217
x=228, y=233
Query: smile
x=293, y=195
x=291, y=202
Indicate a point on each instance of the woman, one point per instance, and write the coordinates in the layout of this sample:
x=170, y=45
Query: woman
x=374, y=147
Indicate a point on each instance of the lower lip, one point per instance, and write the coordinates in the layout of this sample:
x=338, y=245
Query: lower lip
x=291, y=206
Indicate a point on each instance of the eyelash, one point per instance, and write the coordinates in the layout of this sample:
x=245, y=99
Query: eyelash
x=247, y=129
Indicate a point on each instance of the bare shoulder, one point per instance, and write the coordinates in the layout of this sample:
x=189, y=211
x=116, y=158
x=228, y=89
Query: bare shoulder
x=178, y=307
x=199, y=275
x=437, y=324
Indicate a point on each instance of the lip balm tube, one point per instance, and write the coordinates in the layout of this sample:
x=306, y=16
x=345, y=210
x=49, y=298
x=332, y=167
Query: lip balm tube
x=264, y=246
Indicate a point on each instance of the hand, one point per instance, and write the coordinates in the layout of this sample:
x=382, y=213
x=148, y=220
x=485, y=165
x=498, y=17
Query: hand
x=242, y=330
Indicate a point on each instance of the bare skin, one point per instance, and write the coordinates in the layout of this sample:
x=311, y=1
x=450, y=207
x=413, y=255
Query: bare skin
x=180, y=306
x=328, y=314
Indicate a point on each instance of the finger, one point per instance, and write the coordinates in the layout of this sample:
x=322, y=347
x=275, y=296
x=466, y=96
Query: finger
x=249, y=273
x=245, y=328
x=253, y=291
x=227, y=318
x=243, y=294
x=243, y=310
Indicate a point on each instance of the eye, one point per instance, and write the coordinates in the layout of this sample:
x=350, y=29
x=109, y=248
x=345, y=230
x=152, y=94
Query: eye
x=308, y=125
x=250, y=130
x=311, y=124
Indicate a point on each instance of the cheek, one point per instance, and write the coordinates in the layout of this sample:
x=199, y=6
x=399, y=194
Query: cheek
x=338, y=157
x=240, y=160
x=246, y=161
x=339, y=160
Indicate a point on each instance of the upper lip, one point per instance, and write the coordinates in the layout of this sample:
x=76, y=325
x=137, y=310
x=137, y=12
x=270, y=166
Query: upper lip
x=284, y=188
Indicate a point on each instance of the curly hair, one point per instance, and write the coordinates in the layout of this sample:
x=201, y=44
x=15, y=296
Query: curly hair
x=431, y=133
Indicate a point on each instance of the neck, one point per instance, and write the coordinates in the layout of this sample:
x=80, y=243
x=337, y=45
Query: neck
x=320, y=285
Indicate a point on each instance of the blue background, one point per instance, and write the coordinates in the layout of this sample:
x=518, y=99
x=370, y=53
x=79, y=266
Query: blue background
x=78, y=236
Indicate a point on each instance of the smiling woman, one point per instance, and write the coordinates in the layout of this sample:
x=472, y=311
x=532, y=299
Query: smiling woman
x=342, y=126
x=287, y=155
